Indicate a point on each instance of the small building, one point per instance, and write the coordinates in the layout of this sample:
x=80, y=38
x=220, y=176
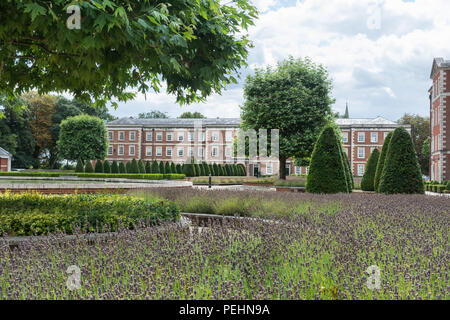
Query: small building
x=5, y=160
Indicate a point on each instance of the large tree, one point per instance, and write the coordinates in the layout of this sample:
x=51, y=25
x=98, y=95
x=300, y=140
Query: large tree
x=295, y=98
x=82, y=137
x=154, y=114
x=193, y=46
x=191, y=115
x=420, y=131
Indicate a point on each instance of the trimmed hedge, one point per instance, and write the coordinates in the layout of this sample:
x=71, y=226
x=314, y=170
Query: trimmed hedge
x=88, y=168
x=80, y=166
x=368, y=179
x=151, y=176
x=381, y=160
x=99, y=167
x=36, y=214
x=401, y=170
x=122, y=168
x=106, y=167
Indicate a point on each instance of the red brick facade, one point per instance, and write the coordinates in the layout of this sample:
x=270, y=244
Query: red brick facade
x=5, y=160
x=439, y=95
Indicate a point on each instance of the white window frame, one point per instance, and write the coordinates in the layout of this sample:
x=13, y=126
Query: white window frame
x=191, y=152
x=361, y=168
x=182, y=152
x=227, y=152
x=159, y=136
x=110, y=151
x=149, y=136
x=148, y=151
x=201, y=137
x=168, y=151
x=200, y=151
x=121, y=136
x=269, y=171
x=110, y=135
x=345, y=137
x=132, y=148
x=134, y=135
x=228, y=136
x=298, y=170
x=214, y=152
x=121, y=150
x=363, y=152
x=169, y=135
x=361, y=135
x=374, y=137
x=215, y=136
x=158, y=151
x=180, y=136
x=190, y=136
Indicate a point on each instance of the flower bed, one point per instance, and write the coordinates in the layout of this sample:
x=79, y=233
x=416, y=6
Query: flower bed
x=37, y=214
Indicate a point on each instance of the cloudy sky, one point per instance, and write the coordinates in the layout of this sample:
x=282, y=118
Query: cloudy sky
x=378, y=53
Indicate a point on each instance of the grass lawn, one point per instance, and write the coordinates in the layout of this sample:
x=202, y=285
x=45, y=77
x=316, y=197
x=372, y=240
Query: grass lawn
x=319, y=248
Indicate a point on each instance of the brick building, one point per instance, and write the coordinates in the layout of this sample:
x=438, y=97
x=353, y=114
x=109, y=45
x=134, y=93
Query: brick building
x=439, y=95
x=211, y=140
x=5, y=160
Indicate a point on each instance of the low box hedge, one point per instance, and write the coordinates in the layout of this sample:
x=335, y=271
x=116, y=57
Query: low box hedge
x=36, y=214
x=150, y=176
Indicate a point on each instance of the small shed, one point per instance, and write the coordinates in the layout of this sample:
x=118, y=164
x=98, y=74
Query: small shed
x=5, y=160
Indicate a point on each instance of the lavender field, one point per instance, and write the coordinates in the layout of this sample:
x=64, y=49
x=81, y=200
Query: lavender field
x=320, y=248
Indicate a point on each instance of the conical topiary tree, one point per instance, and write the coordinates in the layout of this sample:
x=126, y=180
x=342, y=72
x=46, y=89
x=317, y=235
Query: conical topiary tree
x=228, y=170
x=162, y=168
x=216, y=169
x=206, y=169
x=155, y=167
x=80, y=166
x=106, y=167
x=189, y=170
x=349, y=172
x=128, y=167
x=326, y=170
x=114, y=167
x=134, y=168
x=89, y=168
x=141, y=167
x=148, y=167
x=179, y=169
x=367, y=182
x=381, y=160
x=173, y=169
x=211, y=170
x=198, y=171
x=401, y=170
x=341, y=148
x=202, y=170
x=122, y=168
x=167, y=168
x=98, y=166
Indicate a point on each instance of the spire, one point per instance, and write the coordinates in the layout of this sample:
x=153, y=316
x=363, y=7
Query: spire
x=346, y=116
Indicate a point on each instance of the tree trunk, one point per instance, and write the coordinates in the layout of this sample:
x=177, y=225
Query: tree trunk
x=282, y=169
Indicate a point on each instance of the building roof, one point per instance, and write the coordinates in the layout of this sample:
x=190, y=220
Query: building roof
x=437, y=64
x=364, y=121
x=176, y=122
x=3, y=152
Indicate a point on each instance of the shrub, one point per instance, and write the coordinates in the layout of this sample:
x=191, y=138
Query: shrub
x=167, y=168
x=98, y=166
x=198, y=171
x=173, y=168
x=202, y=169
x=128, y=167
x=206, y=169
x=401, y=171
x=89, y=168
x=179, y=168
x=216, y=169
x=348, y=170
x=381, y=160
x=134, y=168
x=80, y=166
x=114, y=167
x=368, y=179
x=141, y=167
x=242, y=171
x=122, y=168
x=326, y=172
x=211, y=169
x=106, y=167
x=448, y=186
x=162, y=169
x=35, y=214
x=148, y=167
x=155, y=167
x=189, y=170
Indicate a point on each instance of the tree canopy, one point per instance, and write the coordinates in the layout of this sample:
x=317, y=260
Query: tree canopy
x=192, y=46
x=294, y=98
x=191, y=115
x=154, y=114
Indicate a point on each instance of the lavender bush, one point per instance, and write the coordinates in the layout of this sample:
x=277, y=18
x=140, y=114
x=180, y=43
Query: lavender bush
x=314, y=254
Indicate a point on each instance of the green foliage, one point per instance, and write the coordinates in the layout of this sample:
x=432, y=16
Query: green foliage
x=115, y=167
x=191, y=115
x=141, y=167
x=152, y=176
x=368, y=179
x=348, y=172
x=148, y=167
x=122, y=168
x=128, y=167
x=189, y=170
x=381, y=161
x=89, y=168
x=80, y=166
x=154, y=114
x=98, y=166
x=448, y=186
x=82, y=137
x=212, y=170
x=242, y=171
x=106, y=167
x=326, y=172
x=216, y=169
x=35, y=214
x=202, y=170
x=179, y=168
x=206, y=169
x=134, y=168
x=167, y=168
x=295, y=98
x=194, y=46
x=162, y=169
x=155, y=167
x=401, y=171
x=173, y=168
x=198, y=171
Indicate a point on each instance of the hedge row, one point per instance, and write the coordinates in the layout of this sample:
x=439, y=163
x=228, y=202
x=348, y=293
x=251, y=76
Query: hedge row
x=439, y=188
x=36, y=214
x=169, y=176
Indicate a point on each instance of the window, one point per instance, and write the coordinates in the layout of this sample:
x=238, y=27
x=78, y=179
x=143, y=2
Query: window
x=121, y=135
x=297, y=170
x=360, y=169
x=191, y=152
x=149, y=136
x=110, y=135
x=169, y=136
x=374, y=137
x=121, y=150
x=269, y=168
x=228, y=152
x=191, y=136
x=345, y=137
x=132, y=135
x=361, y=153
x=159, y=151
x=169, y=151
x=215, y=136
x=214, y=152
x=110, y=151
x=131, y=150
x=159, y=136
x=200, y=152
x=385, y=134
x=361, y=137
x=201, y=136
x=228, y=136
x=148, y=151
x=180, y=136
x=180, y=152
